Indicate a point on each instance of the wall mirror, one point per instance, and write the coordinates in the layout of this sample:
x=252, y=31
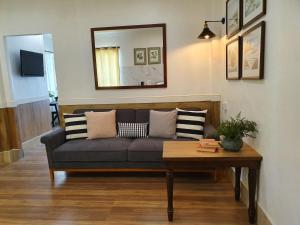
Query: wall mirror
x=130, y=56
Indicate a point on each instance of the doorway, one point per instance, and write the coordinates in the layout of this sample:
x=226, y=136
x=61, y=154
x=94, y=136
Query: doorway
x=49, y=64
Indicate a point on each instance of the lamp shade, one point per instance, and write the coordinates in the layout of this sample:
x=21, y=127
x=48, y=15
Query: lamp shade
x=206, y=33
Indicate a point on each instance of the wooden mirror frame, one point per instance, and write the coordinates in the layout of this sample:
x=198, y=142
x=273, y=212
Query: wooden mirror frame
x=164, y=54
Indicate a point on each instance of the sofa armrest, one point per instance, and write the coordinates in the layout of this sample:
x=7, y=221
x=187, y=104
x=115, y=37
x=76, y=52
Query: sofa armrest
x=52, y=141
x=211, y=132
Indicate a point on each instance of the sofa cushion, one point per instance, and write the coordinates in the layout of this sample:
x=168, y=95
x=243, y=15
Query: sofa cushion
x=97, y=150
x=162, y=124
x=133, y=130
x=190, y=123
x=101, y=124
x=75, y=126
x=148, y=149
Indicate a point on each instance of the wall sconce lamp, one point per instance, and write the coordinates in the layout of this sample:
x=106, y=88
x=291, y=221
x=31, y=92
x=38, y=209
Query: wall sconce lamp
x=207, y=33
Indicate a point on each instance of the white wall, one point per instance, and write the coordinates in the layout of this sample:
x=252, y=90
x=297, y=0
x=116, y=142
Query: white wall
x=70, y=23
x=24, y=89
x=274, y=104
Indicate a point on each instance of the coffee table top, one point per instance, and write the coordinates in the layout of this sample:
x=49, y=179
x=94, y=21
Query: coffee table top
x=188, y=151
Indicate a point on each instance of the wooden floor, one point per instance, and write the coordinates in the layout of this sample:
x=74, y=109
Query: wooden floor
x=27, y=197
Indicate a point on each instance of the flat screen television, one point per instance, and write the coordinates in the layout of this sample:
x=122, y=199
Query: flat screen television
x=32, y=64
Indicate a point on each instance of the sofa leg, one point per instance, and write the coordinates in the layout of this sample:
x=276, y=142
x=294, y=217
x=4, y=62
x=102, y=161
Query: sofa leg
x=51, y=171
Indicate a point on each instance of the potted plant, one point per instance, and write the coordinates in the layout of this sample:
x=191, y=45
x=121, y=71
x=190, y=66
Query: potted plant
x=233, y=130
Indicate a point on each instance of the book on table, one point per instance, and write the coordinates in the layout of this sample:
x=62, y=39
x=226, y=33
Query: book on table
x=208, y=145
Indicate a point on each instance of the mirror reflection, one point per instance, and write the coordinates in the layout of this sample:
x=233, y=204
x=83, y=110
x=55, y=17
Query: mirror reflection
x=129, y=57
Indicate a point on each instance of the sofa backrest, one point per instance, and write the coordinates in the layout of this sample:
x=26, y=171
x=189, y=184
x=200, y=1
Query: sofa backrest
x=123, y=115
x=130, y=115
x=139, y=112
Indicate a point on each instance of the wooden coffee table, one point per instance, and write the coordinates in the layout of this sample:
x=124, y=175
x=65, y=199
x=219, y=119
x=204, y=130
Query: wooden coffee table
x=183, y=155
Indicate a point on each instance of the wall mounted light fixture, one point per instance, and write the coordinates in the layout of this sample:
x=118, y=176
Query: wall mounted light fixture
x=207, y=33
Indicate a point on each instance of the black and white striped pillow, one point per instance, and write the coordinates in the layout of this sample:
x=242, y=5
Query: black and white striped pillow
x=75, y=126
x=132, y=130
x=190, y=124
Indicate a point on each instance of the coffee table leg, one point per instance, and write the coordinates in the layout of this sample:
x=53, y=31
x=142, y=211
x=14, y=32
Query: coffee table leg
x=170, y=178
x=252, y=190
x=237, y=183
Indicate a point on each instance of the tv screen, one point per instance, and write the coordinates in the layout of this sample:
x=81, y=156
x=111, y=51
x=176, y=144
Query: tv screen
x=32, y=64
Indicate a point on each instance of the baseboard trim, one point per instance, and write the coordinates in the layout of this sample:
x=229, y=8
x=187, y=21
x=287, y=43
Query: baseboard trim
x=11, y=155
x=262, y=218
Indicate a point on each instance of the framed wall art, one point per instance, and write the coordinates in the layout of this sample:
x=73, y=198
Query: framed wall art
x=253, y=10
x=253, y=47
x=154, y=55
x=140, y=56
x=233, y=17
x=233, y=59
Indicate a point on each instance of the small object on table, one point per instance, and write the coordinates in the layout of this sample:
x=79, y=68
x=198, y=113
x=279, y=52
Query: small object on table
x=207, y=150
x=208, y=145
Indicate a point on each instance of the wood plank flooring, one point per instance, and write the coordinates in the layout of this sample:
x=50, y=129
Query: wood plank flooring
x=27, y=197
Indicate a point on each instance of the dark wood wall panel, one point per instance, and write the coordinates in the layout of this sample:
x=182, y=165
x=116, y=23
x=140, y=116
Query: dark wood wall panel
x=213, y=107
x=4, y=142
x=34, y=119
x=9, y=130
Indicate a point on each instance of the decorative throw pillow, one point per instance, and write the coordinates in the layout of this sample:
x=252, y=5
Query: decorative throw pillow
x=101, y=124
x=162, y=124
x=75, y=126
x=190, y=124
x=133, y=130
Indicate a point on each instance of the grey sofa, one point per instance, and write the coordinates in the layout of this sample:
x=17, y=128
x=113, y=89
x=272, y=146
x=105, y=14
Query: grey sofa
x=111, y=154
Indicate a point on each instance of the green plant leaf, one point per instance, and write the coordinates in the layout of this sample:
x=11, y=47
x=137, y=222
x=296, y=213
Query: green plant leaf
x=238, y=127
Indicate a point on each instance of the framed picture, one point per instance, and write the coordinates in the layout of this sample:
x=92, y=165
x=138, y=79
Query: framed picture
x=253, y=10
x=233, y=17
x=140, y=56
x=233, y=59
x=154, y=56
x=253, y=52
